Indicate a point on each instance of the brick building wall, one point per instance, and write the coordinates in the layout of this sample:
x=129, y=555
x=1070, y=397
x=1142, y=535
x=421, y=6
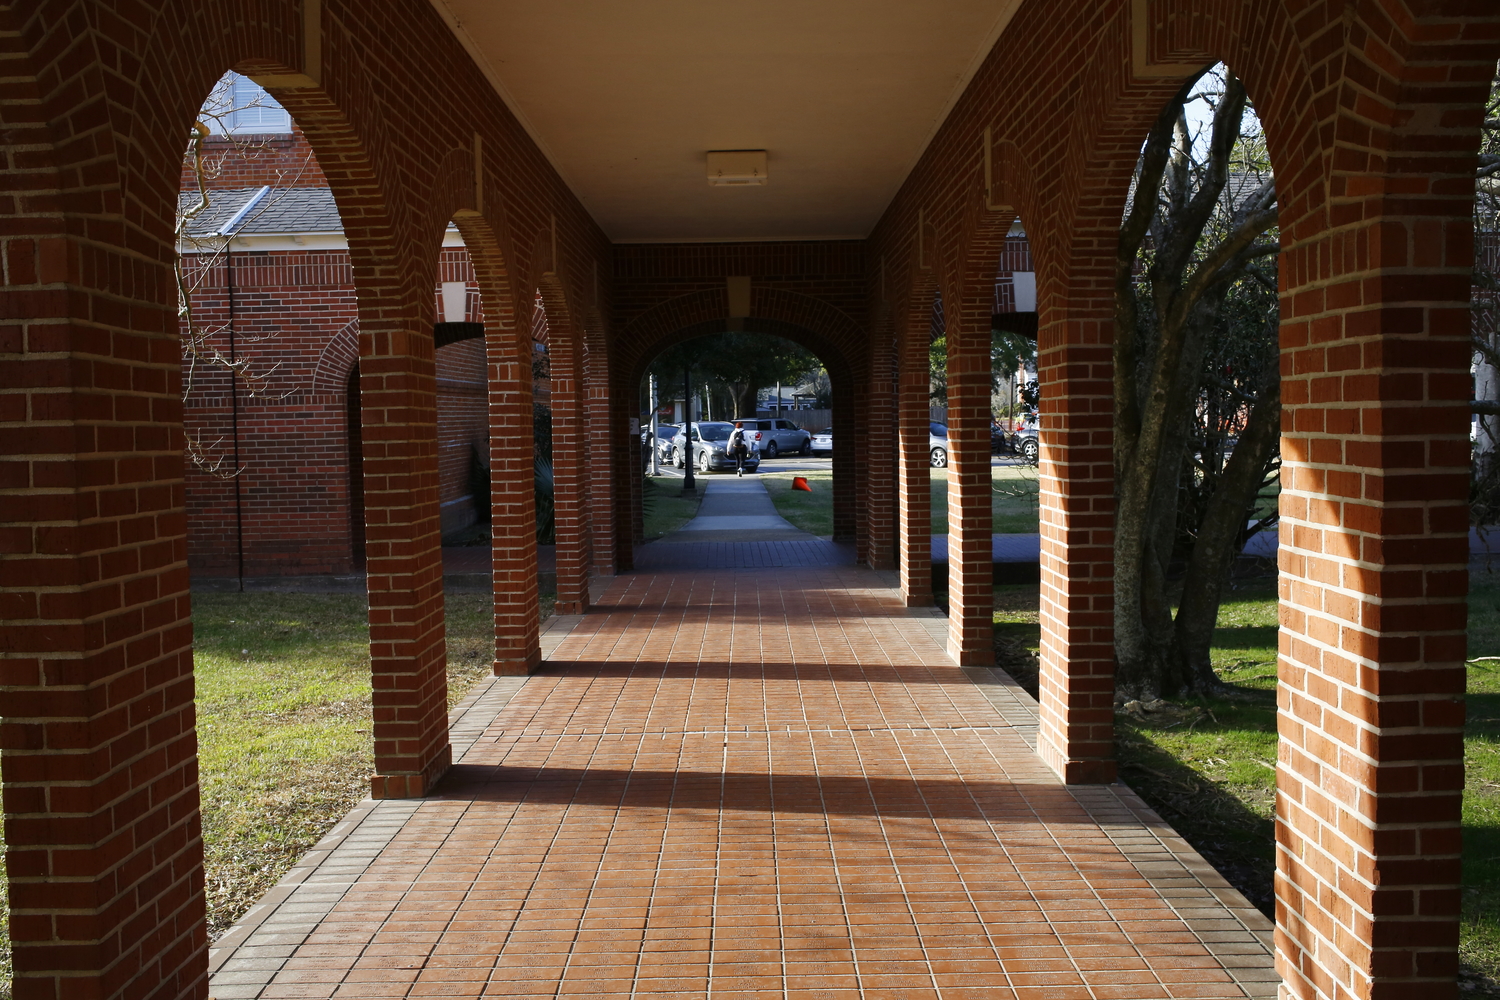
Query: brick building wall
x=278, y=160
x=290, y=510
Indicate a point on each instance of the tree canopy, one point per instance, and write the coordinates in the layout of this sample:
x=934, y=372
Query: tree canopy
x=736, y=365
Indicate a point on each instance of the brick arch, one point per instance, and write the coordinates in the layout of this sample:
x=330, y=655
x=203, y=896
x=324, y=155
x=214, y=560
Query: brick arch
x=823, y=329
x=1073, y=223
x=803, y=315
x=837, y=365
x=337, y=361
x=134, y=81
x=844, y=374
x=1372, y=326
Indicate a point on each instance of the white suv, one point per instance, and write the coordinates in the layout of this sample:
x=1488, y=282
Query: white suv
x=779, y=437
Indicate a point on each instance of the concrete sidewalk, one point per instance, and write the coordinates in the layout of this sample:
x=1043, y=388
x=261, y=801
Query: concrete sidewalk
x=736, y=510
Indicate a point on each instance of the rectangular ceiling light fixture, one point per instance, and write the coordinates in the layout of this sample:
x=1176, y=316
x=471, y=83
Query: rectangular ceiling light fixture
x=736, y=167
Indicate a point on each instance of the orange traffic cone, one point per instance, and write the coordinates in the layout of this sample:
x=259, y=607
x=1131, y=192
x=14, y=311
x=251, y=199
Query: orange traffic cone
x=800, y=483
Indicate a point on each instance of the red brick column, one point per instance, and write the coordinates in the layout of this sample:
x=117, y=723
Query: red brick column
x=570, y=443
x=1076, y=685
x=860, y=394
x=1378, y=247
x=104, y=848
x=603, y=452
x=404, y=561
x=971, y=599
x=1374, y=552
x=846, y=429
x=512, y=492
x=880, y=440
x=914, y=502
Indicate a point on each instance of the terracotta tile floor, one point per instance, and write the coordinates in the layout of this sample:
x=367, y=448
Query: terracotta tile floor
x=750, y=784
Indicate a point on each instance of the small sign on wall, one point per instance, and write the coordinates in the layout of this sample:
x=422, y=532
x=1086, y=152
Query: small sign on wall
x=635, y=425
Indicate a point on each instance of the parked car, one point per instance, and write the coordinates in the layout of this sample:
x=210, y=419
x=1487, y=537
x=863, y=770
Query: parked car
x=664, y=435
x=1025, y=443
x=822, y=441
x=779, y=437
x=937, y=444
x=709, y=440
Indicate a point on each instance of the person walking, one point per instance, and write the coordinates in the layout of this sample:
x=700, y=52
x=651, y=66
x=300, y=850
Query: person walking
x=739, y=447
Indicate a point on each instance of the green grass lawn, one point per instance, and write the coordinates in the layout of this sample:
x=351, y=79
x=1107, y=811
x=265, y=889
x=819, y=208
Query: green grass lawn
x=812, y=512
x=1479, y=943
x=1013, y=500
x=663, y=507
x=1207, y=767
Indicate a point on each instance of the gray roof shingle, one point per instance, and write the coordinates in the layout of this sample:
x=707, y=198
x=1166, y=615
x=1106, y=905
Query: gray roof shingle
x=283, y=211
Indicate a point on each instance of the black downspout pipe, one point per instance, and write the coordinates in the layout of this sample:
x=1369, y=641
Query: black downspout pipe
x=234, y=419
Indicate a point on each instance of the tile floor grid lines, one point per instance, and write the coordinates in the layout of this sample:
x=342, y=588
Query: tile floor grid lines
x=749, y=783
x=900, y=884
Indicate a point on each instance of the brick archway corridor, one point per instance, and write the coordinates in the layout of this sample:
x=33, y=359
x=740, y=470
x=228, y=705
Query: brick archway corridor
x=751, y=783
x=1372, y=110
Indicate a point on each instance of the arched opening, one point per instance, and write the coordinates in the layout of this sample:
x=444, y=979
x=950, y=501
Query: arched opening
x=269, y=335
x=462, y=418
x=466, y=479
x=1479, y=929
x=784, y=387
x=1192, y=317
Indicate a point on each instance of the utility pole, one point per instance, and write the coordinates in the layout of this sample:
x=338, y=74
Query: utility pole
x=689, y=485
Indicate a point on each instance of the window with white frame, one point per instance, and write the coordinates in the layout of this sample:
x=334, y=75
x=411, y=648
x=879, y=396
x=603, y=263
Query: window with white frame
x=238, y=105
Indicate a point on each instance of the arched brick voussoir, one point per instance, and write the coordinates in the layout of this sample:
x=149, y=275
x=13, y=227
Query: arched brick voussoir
x=824, y=329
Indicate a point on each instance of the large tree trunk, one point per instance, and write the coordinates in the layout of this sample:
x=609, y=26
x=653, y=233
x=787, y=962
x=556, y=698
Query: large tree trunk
x=1143, y=562
x=1218, y=543
x=744, y=398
